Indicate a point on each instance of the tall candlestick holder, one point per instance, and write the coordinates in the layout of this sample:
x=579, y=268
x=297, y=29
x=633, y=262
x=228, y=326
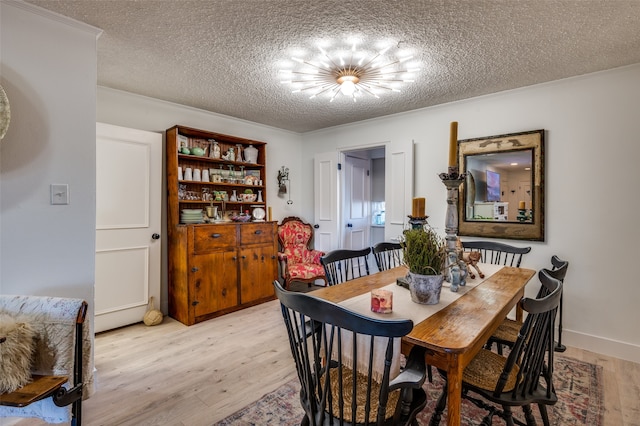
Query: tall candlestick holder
x=456, y=269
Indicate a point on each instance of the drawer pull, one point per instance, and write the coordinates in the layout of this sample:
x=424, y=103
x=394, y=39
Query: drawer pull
x=215, y=235
x=234, y=258
x=258, y=231
x=194, y=269
x=244, y=257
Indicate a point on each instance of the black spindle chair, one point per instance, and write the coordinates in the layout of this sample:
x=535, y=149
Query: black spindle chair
x=525, y=376
x=388, y=255
x=497, y=253
x=507, y=332
x=341, y=382
x=344, y=265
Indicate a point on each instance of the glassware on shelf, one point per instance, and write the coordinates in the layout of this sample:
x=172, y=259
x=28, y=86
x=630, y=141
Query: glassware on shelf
x=239, y=152
x=234, y=196
x=214, y=151
x=231, y=175
x=260, y=200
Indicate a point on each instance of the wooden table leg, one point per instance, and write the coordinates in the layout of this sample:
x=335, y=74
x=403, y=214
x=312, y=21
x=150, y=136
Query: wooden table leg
x=454, y=396
x=519, y=311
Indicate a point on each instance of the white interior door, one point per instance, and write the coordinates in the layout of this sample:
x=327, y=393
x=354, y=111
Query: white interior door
x=128, y=211
x=326, y=205
x=357, y=202
x=398, y=187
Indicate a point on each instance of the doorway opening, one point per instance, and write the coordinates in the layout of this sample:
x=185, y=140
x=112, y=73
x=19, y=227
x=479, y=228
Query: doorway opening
x=362, y=216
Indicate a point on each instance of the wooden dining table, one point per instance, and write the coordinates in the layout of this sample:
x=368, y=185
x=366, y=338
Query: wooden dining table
x=457, y=332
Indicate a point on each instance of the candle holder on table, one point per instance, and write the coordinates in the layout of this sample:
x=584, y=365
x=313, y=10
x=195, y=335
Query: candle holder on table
x=456, y=269
x=417, y=222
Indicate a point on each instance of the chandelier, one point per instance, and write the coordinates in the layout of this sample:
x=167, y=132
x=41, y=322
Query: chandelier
x=350, y=72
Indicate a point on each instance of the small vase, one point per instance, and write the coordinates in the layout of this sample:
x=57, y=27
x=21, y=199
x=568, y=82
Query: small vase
x=425, y=289
x=251, y=154
x=233, y=197
x=260, y=200
x=239, y=152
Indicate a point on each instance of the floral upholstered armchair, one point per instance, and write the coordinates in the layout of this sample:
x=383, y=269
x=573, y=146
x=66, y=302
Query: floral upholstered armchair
x=297, y=261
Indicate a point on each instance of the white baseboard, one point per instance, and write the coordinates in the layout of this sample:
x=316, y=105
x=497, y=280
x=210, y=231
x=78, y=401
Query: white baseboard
x=601, y=345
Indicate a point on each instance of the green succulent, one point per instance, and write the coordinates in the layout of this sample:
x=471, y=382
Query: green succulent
x=424, y=251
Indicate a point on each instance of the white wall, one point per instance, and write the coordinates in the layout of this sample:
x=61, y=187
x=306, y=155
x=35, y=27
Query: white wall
x=283, y=147
x=48, y=69
x=592, y=147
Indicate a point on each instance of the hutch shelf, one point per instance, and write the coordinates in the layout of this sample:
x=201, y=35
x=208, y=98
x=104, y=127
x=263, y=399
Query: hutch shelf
x=217, y=265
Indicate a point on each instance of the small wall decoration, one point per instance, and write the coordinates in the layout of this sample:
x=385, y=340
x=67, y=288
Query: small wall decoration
x=5, y=113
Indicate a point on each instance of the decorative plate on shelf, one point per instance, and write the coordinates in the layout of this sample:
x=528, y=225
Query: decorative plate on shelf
x=258, y=213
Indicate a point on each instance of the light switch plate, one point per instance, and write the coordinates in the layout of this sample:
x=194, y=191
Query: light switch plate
x=59, y=193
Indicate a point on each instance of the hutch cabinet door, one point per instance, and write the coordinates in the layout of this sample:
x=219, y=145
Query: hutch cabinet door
x=258, y=269
x=214, y=278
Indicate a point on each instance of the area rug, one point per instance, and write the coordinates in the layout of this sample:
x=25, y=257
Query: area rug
x=578, y=386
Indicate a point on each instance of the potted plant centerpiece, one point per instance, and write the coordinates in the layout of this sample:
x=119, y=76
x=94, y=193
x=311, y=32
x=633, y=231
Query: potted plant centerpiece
x=425, y=255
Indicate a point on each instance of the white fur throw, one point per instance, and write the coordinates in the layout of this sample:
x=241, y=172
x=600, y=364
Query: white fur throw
x=54, y=321
x=16, y=353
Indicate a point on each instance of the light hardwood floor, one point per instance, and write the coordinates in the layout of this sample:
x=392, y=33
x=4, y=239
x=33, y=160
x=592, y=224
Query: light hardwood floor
x=171, y=374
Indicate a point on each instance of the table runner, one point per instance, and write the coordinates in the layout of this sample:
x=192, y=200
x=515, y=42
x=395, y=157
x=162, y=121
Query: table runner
x=403, y=308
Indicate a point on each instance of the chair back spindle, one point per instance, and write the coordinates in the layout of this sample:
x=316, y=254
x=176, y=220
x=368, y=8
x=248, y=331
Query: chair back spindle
x=345, y=265
x=497, y=253
x=388, y=255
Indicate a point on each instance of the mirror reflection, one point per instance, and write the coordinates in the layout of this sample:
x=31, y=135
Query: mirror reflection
x=499, y=186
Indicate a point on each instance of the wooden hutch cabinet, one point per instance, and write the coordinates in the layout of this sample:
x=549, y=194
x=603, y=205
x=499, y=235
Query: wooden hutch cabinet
x=217, y=265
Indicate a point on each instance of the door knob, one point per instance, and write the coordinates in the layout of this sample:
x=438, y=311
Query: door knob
x=316, y=226
x=349, y=225
x=155, y=236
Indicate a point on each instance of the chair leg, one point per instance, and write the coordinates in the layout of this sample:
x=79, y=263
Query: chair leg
x=528, y=415
x=440, y=406
x=508, y=415
x=544, y=414
x=559, y=346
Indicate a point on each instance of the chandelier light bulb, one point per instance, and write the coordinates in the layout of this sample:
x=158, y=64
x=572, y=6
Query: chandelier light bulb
x=347, y=88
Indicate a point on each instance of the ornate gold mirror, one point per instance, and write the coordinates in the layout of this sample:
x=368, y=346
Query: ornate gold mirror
x=503, y=193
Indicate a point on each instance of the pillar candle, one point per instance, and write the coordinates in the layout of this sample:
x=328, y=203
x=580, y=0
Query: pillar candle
x=453, y=144
x=381, y=301
x=418, y=207
x=521, y=205
x=269, y=210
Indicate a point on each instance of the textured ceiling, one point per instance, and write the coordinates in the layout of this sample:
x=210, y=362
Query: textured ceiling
x=225, y=55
